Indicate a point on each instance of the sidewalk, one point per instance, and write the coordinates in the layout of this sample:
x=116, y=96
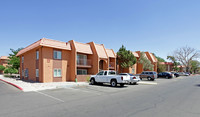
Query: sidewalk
x=27, y=86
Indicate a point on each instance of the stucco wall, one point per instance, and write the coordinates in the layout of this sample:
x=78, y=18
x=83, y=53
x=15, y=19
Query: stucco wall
x=30, y=64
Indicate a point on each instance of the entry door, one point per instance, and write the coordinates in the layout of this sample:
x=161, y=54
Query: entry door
x=101, y=65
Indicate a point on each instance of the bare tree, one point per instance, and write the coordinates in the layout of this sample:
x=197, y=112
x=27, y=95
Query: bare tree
x=185, y=55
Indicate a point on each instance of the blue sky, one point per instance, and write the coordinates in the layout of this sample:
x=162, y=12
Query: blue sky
x=158, y=26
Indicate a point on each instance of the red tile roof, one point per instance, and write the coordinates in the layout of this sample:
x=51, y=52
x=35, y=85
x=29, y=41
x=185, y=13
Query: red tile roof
x=83, y=48
x=110, y=53
x=47, y=43
x=4, y=57
x=101, y=51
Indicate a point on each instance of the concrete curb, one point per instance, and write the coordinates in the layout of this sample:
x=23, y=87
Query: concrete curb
x=148, y=83
x=12, y=84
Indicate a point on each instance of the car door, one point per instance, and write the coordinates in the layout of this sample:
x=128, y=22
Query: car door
x=99, y=76
x=111, y=74
x=105, y=77
x=142, y=75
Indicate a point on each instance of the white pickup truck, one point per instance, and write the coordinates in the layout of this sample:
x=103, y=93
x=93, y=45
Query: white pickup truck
x=109, y=77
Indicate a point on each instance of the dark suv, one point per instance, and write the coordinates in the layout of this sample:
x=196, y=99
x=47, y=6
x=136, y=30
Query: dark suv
x=149, y=75
x=165, y=75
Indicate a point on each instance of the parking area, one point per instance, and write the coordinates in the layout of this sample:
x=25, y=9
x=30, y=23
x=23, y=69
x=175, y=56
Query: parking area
x=87, y=91
x=86, y=100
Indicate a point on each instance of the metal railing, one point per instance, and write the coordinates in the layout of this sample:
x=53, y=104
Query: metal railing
x=84, y=62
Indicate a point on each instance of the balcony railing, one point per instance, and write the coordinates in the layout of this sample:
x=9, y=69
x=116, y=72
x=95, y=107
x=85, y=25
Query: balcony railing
x=112, y=65
x=84, y=63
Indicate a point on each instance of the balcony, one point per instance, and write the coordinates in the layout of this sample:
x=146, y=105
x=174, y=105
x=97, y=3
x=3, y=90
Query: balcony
x=84, y=63
x=112, y=65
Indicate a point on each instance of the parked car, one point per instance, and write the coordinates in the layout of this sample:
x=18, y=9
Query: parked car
x=165, y=75
x=149, y=75
x=133, y=79
x=187, y=73
x=182, y=74
x=175, y=74
x=109, y=77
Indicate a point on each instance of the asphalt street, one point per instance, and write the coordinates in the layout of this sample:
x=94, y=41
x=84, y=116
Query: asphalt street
x=177, y=97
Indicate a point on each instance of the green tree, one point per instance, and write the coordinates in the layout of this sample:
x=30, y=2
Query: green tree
x=161, y=68
x=2, y=68
x=145, y=62
x=194, y=65
x=14, y=61
x=125, y=58
x=10, y=70
x=173, y=59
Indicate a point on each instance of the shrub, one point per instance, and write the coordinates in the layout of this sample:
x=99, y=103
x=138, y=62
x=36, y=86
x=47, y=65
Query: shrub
x=88, y=78
x=10, y=70
x=2, y=68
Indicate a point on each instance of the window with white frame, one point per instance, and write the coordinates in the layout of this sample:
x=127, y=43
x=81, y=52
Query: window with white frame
x=57, y=54
x=37, y=55
x=81, y=71
x=37, y=73
x=22, y=59
x=57, y=73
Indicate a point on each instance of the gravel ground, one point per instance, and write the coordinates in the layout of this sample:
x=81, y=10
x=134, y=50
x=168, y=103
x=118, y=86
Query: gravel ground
x=34, y=86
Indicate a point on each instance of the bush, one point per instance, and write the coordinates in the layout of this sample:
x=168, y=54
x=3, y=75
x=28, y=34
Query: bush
x=88, y=78
x=6, y=75
x=2, y=68
x=10, y=71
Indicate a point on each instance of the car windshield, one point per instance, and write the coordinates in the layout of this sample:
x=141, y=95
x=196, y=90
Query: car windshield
x=131, y=74
x=123, y=74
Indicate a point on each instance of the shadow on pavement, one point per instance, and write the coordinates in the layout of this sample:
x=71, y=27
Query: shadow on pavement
x=108, y=85
x=198, y=85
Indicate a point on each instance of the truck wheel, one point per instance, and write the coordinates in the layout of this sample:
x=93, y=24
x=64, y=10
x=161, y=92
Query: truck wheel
x=135, y=83
x=149, y=78
x=113, y=83
x=122, y=85
x=92, y=82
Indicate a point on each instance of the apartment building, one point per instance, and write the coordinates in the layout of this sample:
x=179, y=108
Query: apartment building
x=150, y=57
x=168, y=65
x=153, y=60
x=53, y=61
x=133, y=69
x=4, y=62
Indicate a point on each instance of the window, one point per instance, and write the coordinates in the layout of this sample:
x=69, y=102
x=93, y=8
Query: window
x=57, y=54
x=133, y=70
x=22, y=59
x=100, y=73
x=112, y=73
x=81, y=59
x=105, y=73
x=23, y=73
x=26, y=73
x=37, y=73
x=131, y=74
x=81, y=71
x=57, y=73
x=37, y=55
